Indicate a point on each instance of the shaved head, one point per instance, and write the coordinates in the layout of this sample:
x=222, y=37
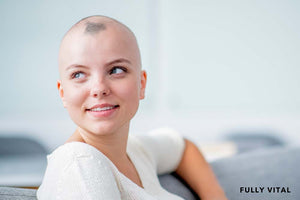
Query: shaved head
x=100, y=64
x=95, y=24
x=97, y=27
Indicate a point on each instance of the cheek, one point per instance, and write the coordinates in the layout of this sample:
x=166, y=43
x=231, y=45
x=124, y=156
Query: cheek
x=129, y=91
x=74, y=96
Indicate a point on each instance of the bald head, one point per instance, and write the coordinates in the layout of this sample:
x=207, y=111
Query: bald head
x=95, y=24
x=99, y=62
x=99, y=30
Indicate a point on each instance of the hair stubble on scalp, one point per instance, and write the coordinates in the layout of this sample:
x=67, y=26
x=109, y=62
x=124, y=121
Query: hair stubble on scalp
x=94, y=27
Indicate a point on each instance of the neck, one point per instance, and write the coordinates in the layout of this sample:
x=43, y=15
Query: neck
x=112, y=145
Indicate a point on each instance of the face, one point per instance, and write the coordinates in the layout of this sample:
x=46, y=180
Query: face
x=101, y=80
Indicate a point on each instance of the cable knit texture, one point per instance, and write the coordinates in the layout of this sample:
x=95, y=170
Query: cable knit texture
x=79, y=171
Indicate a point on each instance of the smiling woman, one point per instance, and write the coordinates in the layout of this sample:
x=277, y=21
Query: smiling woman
x=100, y=71
x=101, y=84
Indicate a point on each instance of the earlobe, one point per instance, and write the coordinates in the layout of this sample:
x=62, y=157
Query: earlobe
x=143, y=84
x=61, y=92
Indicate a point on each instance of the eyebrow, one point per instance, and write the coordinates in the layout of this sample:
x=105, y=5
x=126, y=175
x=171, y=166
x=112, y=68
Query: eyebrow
x=120, y=60
x=75, y=66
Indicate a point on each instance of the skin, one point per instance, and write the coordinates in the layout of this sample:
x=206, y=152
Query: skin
x=90, y=57
x=194, y=169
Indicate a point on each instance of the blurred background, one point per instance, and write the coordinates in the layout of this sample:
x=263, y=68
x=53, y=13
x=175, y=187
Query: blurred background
x=216, y=69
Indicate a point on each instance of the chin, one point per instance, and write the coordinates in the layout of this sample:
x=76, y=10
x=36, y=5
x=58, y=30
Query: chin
x=103, y=129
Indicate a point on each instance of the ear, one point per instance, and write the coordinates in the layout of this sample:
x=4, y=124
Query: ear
x=143, y=84
x=61, y=92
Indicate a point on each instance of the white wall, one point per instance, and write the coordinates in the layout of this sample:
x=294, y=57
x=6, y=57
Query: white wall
x=232, y=55
x=231, y=66
x=214, y=67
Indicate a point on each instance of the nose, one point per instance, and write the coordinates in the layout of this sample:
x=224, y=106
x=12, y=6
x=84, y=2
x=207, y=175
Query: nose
x=100, y=88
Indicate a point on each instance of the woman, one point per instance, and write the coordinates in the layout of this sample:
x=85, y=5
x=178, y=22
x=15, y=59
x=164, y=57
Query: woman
x=101, y=83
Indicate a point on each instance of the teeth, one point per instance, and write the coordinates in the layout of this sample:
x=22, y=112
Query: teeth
x=102, y=109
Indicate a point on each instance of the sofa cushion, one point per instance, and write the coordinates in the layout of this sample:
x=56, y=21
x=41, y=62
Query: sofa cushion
x=9, y=193
x=265, y=168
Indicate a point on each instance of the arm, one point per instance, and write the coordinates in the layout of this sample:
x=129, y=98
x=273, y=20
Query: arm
x=197, y=173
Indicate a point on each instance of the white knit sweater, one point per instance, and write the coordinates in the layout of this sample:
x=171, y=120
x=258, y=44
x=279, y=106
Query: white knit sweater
x=78, y=171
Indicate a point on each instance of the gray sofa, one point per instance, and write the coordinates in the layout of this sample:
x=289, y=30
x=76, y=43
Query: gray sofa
x=243, y=177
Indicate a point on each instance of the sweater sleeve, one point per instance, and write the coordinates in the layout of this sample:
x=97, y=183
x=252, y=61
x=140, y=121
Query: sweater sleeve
x=78, y=177
x=166, y=147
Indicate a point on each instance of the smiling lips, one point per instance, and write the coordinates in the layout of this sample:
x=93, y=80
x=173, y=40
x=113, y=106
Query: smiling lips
x=103, y=110
x=102, y=107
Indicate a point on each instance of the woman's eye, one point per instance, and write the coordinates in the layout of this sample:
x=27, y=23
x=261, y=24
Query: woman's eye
x=117, y=70
x=77, y=75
